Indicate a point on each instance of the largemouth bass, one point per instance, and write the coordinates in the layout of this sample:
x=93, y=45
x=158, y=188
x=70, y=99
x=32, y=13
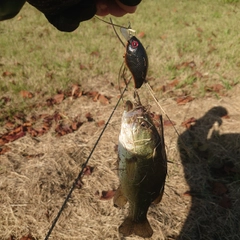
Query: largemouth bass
x=142, y=169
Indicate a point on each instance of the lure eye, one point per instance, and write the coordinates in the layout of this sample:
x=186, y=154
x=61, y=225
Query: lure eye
x=134, y=44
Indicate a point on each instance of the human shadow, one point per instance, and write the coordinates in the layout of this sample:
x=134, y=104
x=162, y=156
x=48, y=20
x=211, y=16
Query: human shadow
x=211, y=163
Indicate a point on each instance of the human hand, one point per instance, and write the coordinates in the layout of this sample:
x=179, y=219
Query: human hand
x=115, y=8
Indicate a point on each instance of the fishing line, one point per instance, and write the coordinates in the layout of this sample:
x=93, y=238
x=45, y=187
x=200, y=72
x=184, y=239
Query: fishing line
x=83, y=167
x=157, y=102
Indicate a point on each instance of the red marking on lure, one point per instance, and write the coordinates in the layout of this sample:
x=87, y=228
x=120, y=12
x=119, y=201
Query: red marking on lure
x=137, y=61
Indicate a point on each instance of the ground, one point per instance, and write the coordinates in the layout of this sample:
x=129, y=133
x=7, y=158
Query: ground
x=201, y=199
x=57, y=90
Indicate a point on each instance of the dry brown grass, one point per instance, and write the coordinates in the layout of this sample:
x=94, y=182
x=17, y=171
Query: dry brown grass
x=36, y=175
x=33, y=189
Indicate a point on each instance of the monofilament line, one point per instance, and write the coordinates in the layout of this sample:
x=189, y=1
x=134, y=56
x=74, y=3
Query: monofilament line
x=157, y=102
x=83, y=166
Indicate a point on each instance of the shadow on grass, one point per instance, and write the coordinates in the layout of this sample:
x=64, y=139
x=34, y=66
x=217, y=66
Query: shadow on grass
x=211, y=164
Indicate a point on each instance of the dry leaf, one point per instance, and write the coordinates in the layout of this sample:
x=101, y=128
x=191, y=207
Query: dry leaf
x=58, y=98
x=187, y=193
x=88, y=170
x=187, y=123
x=89, y=117
x=63, y=129
x=76, y=91
x=26, y=94
x=95, y=98
x=95, y=54
x=79, y=183
x=9, y=125
x=76, y=125
x=28, y=237
x=168, y=123
x=219, y=188
x=3, y=141
x=82, y=67
x=103, y=99
x=8, y=74
x=199, y=29
x=184, y=100
x=141, y=35
x=107, y=195
x=4, y=149
x=100, y=123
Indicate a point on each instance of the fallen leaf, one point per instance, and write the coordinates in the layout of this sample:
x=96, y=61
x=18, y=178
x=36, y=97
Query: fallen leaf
x=226, y=116
x=79, y=183
x=89, y=117
x=28, y=237
x=3, y=141
x=184, y=100
x=5, y=100
x=8, y=74
x=4, y=149
x=82, y=66
x=189, y=122
x=141, y=35
x=103, y=99
x=95, y=54
x=9, y=125
x=168, y=123
x=95, y=98
x=199, y=29
x=63, y=129
x=197, y=74
x=217, y=87
x=32, y=155
x=26, y=94
x=163, y=37
x=190, y=64
x=76, y=125
x=107, y=195
x=76, y=91
x=88, y=170
x=100, y=123
x=187, y=193
x=58, y=98
x=219, y=188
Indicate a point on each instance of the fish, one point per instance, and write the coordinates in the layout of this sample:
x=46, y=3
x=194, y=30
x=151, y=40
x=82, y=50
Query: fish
x=142, y=168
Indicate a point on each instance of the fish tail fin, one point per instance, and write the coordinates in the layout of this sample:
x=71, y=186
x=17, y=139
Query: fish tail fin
x=142, y=229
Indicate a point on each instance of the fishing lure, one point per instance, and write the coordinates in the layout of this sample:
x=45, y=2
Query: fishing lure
x=136, y=58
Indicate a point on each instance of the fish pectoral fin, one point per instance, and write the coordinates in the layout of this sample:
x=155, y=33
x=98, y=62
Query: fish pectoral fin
x=141, y=229
x=119, y=199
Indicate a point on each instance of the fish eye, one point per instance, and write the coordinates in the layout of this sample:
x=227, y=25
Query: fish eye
x=134, y=44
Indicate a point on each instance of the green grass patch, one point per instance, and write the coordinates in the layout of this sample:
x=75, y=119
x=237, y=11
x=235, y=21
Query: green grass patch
x=39, y=58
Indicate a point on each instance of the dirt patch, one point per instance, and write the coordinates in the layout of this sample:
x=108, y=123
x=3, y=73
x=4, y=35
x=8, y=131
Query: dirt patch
x=201, y=199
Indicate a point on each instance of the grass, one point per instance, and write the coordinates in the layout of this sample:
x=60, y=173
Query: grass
x=41, y=59
x=193, y=42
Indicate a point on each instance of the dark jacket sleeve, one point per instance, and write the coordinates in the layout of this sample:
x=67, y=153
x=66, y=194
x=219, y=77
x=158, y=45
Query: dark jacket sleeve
x=10, y=8
x=130, y=2
x=66, y=15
